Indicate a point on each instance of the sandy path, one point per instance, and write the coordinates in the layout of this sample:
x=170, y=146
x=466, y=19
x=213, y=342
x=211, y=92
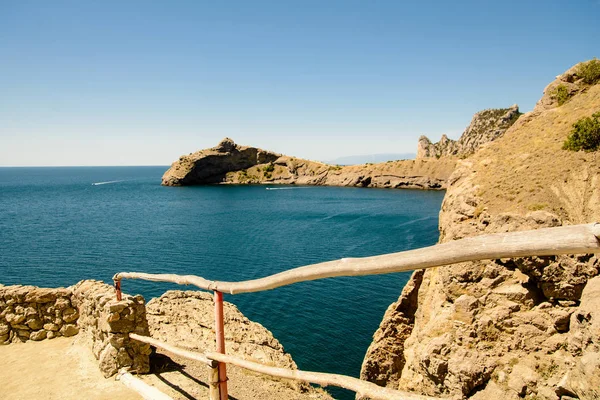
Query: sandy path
x=184, y=379
x=65, y=369
x=60, y=368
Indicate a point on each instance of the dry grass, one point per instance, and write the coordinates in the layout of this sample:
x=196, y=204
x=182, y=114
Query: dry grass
x=527, y=169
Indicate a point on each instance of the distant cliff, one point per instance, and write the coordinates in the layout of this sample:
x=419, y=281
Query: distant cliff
x=486, y=126
x=230, y=163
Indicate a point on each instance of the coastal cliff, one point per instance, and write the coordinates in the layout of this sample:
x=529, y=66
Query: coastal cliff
x=486, y=126
x=230, y=163
x=514, y=328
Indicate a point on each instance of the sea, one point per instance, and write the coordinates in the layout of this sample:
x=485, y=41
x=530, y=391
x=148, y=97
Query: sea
x=61, y=225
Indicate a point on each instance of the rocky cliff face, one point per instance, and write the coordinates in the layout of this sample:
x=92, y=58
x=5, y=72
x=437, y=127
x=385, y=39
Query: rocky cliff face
x=235, y=164
x=185, y=318
x=518, y=328
x=486, y=126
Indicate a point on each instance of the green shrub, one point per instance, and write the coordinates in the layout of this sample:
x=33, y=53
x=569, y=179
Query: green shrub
x=269, y=168
x=585, y=134
x=561, y=94
x=537, y=206
x=590, y=71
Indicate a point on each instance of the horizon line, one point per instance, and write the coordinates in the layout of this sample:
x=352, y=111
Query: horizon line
x=80, y=166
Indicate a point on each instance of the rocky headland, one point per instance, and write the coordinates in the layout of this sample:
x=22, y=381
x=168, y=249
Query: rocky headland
x=230, y=163
x=514, y=328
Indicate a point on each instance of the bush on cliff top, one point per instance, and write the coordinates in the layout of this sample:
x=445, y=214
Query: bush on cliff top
x=590, y=71
x=269, y=168
x=561, y=94
x=585, y=134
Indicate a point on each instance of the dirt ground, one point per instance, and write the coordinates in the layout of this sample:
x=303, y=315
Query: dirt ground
x=527, y=169
x=183, y=379
x=57, y=369
x=65, y=369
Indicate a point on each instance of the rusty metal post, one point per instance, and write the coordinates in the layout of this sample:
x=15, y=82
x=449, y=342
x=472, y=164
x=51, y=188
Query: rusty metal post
x=220, y=339
x=118, y=289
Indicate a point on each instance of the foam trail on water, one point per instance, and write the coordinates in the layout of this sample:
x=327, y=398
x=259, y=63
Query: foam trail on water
x=107, y=182
x=414, y=221
x=287, y=188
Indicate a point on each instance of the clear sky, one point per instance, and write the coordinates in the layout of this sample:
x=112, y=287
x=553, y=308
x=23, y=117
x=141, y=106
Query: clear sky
x=142, y=82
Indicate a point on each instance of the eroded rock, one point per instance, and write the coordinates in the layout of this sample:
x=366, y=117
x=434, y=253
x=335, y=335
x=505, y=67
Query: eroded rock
x=230, y=163
x=510, y=328
x=485, y=127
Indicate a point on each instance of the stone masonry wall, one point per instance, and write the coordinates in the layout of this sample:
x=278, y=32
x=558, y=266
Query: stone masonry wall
x=108, y=323
x=32, y=313
x=90, y=308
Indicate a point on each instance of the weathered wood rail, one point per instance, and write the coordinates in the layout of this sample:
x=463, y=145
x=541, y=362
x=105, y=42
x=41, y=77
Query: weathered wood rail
x=146, y=391
x=575, y=239
x=363, y=387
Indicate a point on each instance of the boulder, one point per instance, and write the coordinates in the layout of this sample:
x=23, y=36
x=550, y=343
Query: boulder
x=38, y=335
x=69, y=330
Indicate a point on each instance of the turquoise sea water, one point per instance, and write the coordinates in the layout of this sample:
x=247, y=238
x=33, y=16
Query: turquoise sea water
x=57, y=228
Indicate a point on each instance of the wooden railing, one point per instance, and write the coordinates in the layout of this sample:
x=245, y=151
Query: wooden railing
x=575, y=239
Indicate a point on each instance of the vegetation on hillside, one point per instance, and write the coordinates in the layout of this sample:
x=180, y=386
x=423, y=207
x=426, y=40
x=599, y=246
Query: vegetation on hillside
x=585, y=134
x=492, y=119
x=561, y=94
x=589, y=71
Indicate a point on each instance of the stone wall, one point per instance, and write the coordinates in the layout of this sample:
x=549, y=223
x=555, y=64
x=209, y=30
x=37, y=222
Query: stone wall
x=108, y=322
x=32, y=313
x=90, y=308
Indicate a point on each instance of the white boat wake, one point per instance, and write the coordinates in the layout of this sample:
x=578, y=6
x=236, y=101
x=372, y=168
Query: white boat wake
x=107, y=182
x=287, y=188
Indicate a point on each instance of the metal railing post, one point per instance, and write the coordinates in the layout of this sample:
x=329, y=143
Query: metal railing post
x=118, y=289
x=220, y=339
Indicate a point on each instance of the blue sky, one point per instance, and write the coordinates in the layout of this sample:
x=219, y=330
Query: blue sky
x=140, y=82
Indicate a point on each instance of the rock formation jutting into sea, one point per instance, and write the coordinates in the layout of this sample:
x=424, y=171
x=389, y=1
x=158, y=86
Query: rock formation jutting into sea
x=229, y=162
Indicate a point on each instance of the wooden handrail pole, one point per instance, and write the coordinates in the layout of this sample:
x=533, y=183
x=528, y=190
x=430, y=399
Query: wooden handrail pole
x=175, y=350
x=568, y=239
x=596, y=230
x=213, y=383
x=220, y=339
x=213, y=358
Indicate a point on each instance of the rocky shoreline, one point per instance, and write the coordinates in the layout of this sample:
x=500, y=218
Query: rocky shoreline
x=230, y=163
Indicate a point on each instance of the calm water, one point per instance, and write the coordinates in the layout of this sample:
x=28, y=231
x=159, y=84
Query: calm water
x=57, y=228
